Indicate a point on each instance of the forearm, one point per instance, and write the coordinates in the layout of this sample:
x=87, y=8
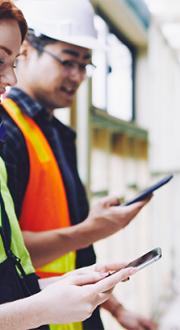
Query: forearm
x=22, y=314
x=46, y=246
x=104, y=220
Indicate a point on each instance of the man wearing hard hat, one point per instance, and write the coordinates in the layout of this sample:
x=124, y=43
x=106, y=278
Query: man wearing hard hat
x=40, y=155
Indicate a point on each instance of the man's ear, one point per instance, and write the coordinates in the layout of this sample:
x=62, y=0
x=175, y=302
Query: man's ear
x=25, y=50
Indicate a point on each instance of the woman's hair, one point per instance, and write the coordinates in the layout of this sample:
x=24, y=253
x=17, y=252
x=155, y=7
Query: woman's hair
x=9, y=11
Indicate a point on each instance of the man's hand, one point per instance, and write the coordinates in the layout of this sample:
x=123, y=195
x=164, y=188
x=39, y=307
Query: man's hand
x=107, y=217
x=126, y=318
x=132, y=321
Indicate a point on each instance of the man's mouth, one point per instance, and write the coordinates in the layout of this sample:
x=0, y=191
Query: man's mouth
x=68, y=90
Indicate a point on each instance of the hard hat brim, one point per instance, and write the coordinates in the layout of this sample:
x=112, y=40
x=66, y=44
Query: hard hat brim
x=70, y=21
x=85, y=42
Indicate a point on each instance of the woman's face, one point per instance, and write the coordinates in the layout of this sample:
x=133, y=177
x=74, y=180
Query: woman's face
x=10, y=42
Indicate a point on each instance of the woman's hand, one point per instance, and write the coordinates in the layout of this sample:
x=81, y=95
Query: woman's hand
x=74, y=297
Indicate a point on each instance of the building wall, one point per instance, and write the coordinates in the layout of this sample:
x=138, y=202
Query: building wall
x=116, y=171
x=158, y=104
x=115, y=168
x=158, y=98
x=119, y=165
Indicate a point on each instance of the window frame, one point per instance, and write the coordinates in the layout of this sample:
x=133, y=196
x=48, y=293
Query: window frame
x=133, y=50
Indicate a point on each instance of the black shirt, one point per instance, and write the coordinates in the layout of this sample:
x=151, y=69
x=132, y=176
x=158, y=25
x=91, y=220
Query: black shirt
x=62, y=141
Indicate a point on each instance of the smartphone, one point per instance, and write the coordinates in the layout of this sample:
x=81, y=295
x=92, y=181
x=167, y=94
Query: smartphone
x=148, y=191
x=146, y=259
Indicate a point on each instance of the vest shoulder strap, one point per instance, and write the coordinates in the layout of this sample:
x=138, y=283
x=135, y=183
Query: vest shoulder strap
x=5, y=229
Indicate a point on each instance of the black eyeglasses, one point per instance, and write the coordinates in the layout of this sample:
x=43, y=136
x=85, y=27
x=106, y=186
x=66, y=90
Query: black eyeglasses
x=69, y=65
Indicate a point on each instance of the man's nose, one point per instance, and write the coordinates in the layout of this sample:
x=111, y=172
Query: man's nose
x=77, y=74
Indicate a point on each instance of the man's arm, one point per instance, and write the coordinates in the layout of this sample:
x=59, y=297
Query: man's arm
x=106, y=218
x=81, y=292
x=126, y=318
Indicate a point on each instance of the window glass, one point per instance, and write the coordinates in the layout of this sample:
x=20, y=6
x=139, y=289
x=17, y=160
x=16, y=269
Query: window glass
x=119, y=79
x=112, y=82
x=99, y=58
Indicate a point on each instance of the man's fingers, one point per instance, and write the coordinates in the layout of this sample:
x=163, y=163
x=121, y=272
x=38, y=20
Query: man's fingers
x=109, y=282
x=115, y=201
x=110, y=201
x=143, y=202
x=133, y=209
x=148, y=324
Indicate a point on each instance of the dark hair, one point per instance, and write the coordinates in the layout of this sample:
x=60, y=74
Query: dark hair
x=40, y=41
x=9, y=11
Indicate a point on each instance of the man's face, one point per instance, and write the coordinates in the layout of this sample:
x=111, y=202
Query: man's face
x=54, y=83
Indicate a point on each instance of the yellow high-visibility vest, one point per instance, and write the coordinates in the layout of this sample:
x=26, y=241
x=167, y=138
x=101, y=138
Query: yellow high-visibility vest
x=45, y=205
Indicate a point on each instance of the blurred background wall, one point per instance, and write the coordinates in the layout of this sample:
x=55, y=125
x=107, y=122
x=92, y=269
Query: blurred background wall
x=127, y=118
x=126, y=115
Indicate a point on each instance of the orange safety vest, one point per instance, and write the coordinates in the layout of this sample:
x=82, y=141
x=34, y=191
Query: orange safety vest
x=43, y=208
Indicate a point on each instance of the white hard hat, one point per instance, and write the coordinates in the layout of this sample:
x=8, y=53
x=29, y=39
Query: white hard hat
x=71, y=21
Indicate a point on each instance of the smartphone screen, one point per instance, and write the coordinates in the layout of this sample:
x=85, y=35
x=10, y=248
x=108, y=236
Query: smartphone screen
x=146, y=259
x=145, y=193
